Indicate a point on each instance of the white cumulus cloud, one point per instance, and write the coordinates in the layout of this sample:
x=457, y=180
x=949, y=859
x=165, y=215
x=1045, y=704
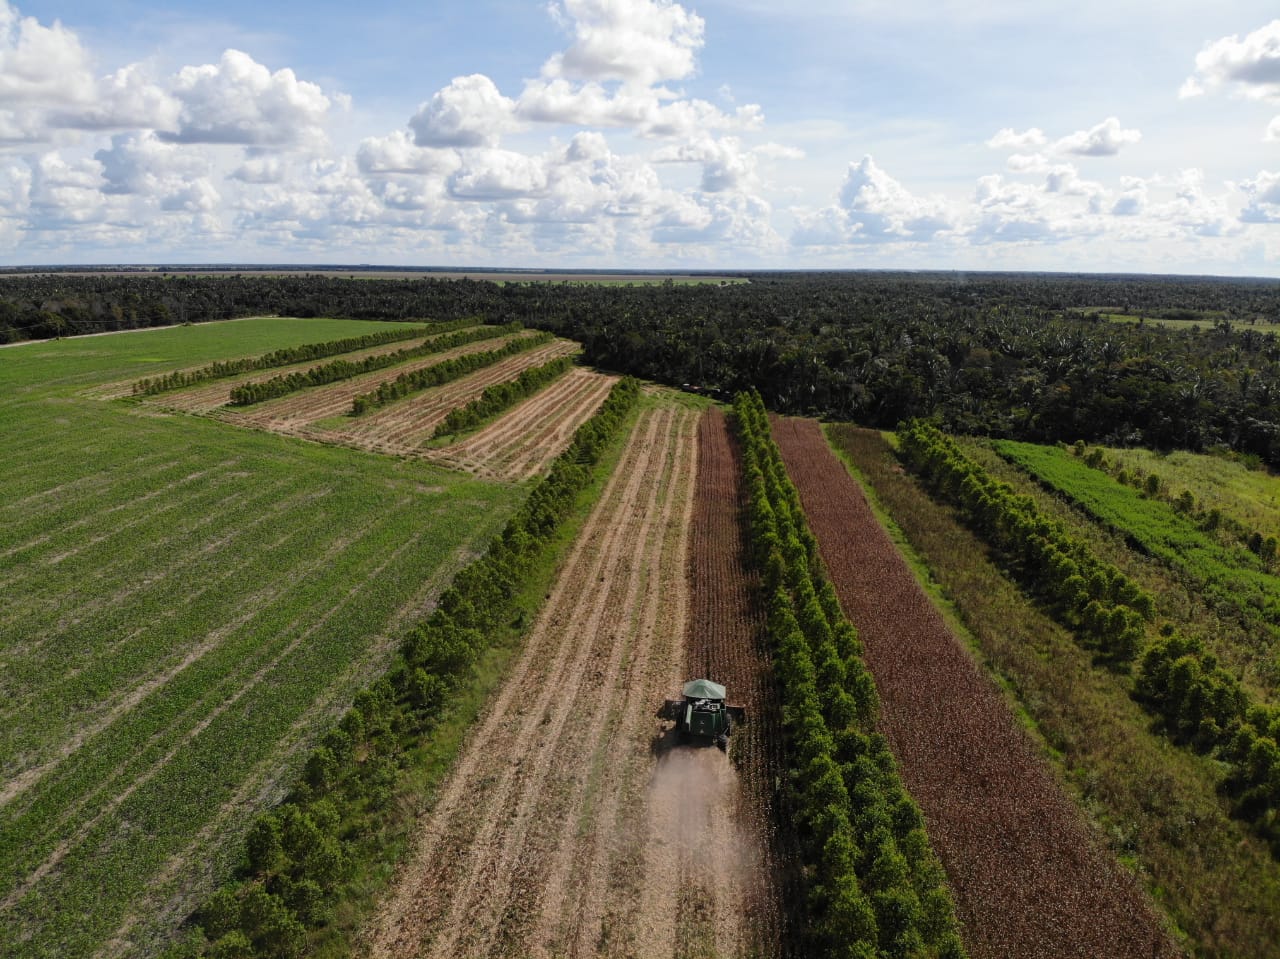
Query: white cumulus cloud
x=469, y=112
x=240, y=101
x=640, y=42
x=1009, y=139
x=874, y=207
x=1105, y=139
x=1251, y=66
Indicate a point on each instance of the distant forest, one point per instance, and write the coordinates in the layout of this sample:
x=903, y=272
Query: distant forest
x=1040, y=357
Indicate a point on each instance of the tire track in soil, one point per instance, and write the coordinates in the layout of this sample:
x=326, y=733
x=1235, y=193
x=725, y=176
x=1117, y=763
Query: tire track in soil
x=468, y=927
x=523, y=441
x=1030, y=879
x=726, y=639
x=521, y=704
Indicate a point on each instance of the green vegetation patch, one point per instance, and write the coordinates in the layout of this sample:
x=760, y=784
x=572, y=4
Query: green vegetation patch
x=1233, y=575
x=187, y=607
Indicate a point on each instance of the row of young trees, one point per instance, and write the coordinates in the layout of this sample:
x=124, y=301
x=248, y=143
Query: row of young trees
x=1203, y=706
x=250, y=393
x=1200, y=704
x=502, y=396
x=415, y=381
x=1092, y=598
x=299, y=856
x=874, y=887
x=180, y=379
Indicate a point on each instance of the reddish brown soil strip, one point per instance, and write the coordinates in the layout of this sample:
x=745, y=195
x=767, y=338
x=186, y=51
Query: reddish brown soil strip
x=726, y=642
x=523, y=442
x=1029, y=878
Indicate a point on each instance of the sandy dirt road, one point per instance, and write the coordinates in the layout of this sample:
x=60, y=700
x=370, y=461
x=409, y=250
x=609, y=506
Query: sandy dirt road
x=570, y=826
x=1030, y=879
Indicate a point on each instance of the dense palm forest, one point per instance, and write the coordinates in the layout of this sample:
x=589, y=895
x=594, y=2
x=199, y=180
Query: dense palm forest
x=1030, y=356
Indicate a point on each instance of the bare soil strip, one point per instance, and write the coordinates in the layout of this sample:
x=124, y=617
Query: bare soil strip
x=542, y=841
x=524, y=441
x=1029, y=877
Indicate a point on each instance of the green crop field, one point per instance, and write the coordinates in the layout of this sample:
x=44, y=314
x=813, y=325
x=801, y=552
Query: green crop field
x=186, y=605
x=1230, y=575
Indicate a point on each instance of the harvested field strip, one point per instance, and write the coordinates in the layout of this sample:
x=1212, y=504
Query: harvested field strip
x=406, y=425
x=604, y=649
x=725, y=641
x=1029, y=878
x=292, y=413
x=521, y=443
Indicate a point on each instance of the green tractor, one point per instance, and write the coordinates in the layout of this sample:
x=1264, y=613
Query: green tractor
x=701, y=715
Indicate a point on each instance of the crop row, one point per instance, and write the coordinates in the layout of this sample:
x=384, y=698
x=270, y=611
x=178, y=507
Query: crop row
x=299, y=855
x=874, y=884
x=250, y=393
x=180, y=379
x=502, y=396
x=416, y=380
x=1090, y=597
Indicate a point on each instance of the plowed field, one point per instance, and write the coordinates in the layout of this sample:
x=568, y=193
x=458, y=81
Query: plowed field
x=569, y=826
x=1030, y=879
x=523, y=442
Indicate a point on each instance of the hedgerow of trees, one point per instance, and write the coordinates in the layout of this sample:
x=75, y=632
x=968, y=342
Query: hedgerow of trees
x=180, y=379
x=250, y=393
x=502, y=396
x=1198, y=702
x=874, y=886
x=445, y=371
x=299, y=856
x=1093, y=599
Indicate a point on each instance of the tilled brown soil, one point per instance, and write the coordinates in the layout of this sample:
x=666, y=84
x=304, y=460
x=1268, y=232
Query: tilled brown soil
x=725, y=641
x=1029, y=877
x=566, y=827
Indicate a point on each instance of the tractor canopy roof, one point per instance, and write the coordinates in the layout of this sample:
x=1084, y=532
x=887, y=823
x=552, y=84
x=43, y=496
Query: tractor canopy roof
x=703, y=689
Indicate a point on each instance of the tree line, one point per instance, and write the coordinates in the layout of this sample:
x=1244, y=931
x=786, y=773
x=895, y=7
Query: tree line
x=1023, y=356
x=502, y=396
x=874, y=887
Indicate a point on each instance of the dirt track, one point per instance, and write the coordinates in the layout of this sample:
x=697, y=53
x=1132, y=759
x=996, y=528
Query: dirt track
x=1029, y=878
x=559, y=832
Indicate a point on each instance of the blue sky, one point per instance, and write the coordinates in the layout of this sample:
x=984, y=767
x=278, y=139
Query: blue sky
x=644, y=133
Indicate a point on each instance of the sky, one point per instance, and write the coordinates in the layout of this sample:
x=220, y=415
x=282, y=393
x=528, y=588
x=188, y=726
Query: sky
x=1086, y=136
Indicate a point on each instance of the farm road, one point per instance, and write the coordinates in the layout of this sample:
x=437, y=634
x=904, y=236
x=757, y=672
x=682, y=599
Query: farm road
x=1030, y=880
x=559, y=831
